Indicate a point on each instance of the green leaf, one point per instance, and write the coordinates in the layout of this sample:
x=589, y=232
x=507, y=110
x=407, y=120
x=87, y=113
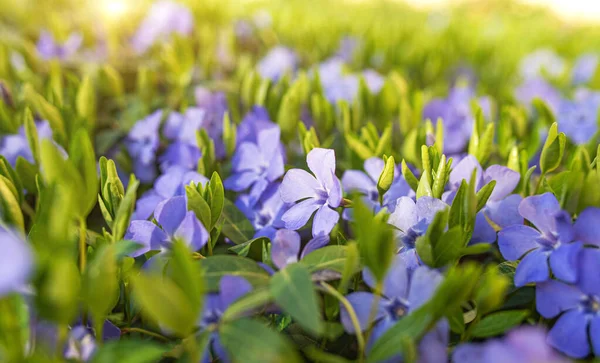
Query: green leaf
x=163, y=301
x=236, y=226
x=544, y=111
x=216, y=267
x=32, y=135
x=100, y=287
x=84, y=160
x=250, y=302
x=441, y=177
x=424, y=188
x=250, y=248
x=197, y=204
x=483, y=195
x=498, y=323
x=449, y=247
x=86, y=101
x=112, y=81
x=217, y=199
x=186, y=274
x=250, y=341
x=129, y=351
x=27, y=174
x=387, y=177
x=46, y=110
x=326, y=258
x=10, y=210
x=123, y=214
x=553, y=150
x=363, y=151
x=410, y=178
x=293, y=291
x=229, y=134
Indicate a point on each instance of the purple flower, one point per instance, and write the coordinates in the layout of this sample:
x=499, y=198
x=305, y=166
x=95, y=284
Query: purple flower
x=321, y=192
x=265, y=215
x=339, y=85
x=164, y=18
x=456, y=115
x=142, y=143
x=174, y=222
x=81, y=345
x=15, y=145
x=538, y=87
x=49, y=48
x=578, y=119
x=526, y=344
x=555, y=241
x=253, y=123
x=579, y=305
x=584, y=68
x=16, y=262
x=231, y=288
x=403, y=292
x=256, y=165
x=181, y=129
x=412, y=220
x=347, y=48
x=168, y=185
x=501, y=207
x=366, y=184
x=279, y=61
x=285, y=247
x=540, y=62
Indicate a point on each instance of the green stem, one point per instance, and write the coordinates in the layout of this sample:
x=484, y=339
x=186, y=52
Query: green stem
x=351, y=313
x=145, y=332
x=28, y=210
x=539, y=183
x=82, y=245
x=373, y=312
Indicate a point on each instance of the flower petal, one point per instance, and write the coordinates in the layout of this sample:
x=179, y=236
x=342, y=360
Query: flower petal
x=505, y=212
x=247, y=157
x=569, y=334
x=285, y=248
x=515, y=241
x=541, y=210
x=170, y=213
x=427, y=208
x=324, y=221
x=553, y=297
x=506, y=181
x=532, y=268
x=192, y=231
x=357, y=181
x=587, y=226
x=595, y=334
x=589, y=274
x=297, y=216
x=298, y=184
x=334, y=198
x=404, y=215
x=231, y=288
x=361, y=303
x=145, y=206
x=464, y=170
x=322, y=163
x=241, y=181
x=483, y=231
x=148, y=234
x=396, y=280
x=314, y=244
x=423, y=283
x=563, y=261
x=374, y=166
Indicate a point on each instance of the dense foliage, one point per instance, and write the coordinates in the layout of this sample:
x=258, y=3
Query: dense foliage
x=290, y=181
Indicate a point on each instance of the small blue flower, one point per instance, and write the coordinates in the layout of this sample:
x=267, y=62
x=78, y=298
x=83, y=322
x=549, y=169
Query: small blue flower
x=584, y=68
x=321, y=193
x=16, y=262
x=49, y=48
x=540, y=62
x=265, y=215
x=578, y=119
x=537, y=87
x=15, y=145
x=403, y=292
x=279, y=61
x=286, y=245
x=142, y=143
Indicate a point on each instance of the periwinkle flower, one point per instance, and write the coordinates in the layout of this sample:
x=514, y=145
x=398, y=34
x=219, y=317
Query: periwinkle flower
x=256, y=120
x=16, y=262
x=501, y=207
x=340, y=85
x=15, y=145
x=456, y=115
x=526, y=344
x=168, y=185
x=256, y=165
x=578, y=119
x=578, y=306
x=174, y=222
x=555, y=241
x=540, y=62
x=49, y=48
x=403, y=292
x=321, y=193
x=81, y=344
x=142, y=143
x=584, y=68
x=538, y=87
x=286, y=245
x=231, y=288
x=366, y=184
x=279, y=61
x=265, y=215
x=181, y=130
x=412, y=220
x=347, y=48
x=164, y=18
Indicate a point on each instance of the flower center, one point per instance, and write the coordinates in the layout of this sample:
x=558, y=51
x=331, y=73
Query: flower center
x=591, y=304
x=397, y=308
